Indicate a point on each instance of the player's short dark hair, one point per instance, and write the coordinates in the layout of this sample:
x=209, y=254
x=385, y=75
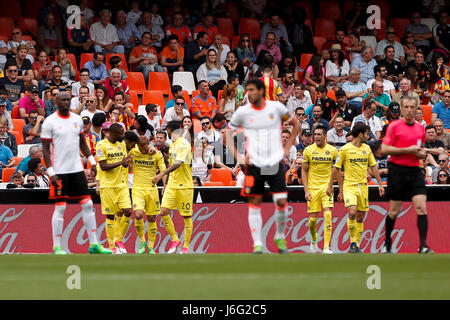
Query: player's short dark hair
x=173, y=37
x=219, y=117
x=175, y=88
x=359, y=127
x=320, y=127
x=376, y=145
x=339, y=116
x=98, y=119
x=286, y=131
x=322, y=89
x=131, y=136
x=430, y=126
x=377, y=68
x=115, y=127
x=150, y=107
x=114, y=60
x=173, y=125
x=256, y=82
x=179, y=98
x=33, y=164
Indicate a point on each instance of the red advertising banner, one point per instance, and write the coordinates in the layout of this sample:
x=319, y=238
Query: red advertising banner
x=223, y=228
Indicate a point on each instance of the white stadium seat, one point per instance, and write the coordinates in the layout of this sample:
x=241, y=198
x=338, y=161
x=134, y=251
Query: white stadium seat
x=429, y=22
x=185, y=80
x=371, y=41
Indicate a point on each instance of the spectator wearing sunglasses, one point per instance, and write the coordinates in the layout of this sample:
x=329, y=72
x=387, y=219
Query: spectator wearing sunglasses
x=50, y=104
x=36, y=175
x=443, y=177
x=422, y=33
x=207, y=132
x=442, y=162
x=91, y=107
x=14, y=87
x=32, y=130
x=176, y=113
x=390, y=41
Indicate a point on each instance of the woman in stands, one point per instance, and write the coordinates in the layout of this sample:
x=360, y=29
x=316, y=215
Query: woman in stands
x=212, y=72
x=234, y=67
x=337, y=68
x=68, y=70
x=314, y=74
x=42, y=69
x=104, y=102
x=188, y=127
x=434, y=86
x=245, y=52
x=201, y=162
x=408, y=47
x=286, y=65
x=443, y=177
x=142, y=127
x=37, y=169
x=437, y=63
x=228, y=103
x=355, y=46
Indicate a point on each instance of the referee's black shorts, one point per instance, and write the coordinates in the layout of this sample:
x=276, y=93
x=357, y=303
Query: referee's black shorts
x=403, y=183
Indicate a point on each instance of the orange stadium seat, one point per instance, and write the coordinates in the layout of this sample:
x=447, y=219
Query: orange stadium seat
x=122, y=57
x=4, y=38
x=331, y=94
x=12, y=8
x=134, y=99
x=155, y=97
x=427, y=113
x=136, y=82
x=234, y=41
x=250, y=26
x=226, y=40
x=304, y=59
x=27, y=37
x=399, y=25
x=221, y=175
x=225, y=26
x=85, y=57
x=159, y=81
x=28, y=25
x=18, y=124
x=33, y=7
x=185, y=96
x=213, y=184
x=6, y=26
x=7, y=173
x=18, y=135
x=319, y=42
x=197, y=125
x=330, y=9
x=308, y=8
x=325, y=28
x=219, y=95
x=18, y=159
x=15, y=113
x=232, y=8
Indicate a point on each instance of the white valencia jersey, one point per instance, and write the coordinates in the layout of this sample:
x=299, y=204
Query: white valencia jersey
x=262, y=129
x=64, y=134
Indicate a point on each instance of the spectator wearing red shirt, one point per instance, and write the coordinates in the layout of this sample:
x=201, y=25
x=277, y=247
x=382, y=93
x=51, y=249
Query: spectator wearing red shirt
x=115, y=84
x=179, y=29
x=204, y=105
x=31, y=102
x=207, y=26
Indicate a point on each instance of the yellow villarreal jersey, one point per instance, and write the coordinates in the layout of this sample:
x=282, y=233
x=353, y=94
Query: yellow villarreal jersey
x=181, y=178
x=144, y=168
x=355, y=162
x=320, y=161
x=112, y=153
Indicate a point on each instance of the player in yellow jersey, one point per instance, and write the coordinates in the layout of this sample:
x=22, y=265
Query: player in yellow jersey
x=146, y=160
x=179, y=193
x=318, y=160
x=114, y=192
x=355, y=158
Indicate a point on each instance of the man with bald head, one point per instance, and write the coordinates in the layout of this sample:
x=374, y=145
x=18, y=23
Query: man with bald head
x=63, y=130
x=381, y=99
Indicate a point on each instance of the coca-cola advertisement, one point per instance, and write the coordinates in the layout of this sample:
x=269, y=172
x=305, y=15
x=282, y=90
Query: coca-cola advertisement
x=223, y=228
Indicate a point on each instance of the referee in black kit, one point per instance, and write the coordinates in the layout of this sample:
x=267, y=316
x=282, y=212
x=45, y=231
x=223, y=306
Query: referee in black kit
x=404, y=142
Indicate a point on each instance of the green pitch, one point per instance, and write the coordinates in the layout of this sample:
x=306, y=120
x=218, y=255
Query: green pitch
x=225, y=276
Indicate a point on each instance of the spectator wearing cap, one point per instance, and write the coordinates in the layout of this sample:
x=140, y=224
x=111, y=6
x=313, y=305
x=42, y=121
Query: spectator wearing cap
x=31, y=102
x=422, y=33
x=355, y=89
x=50, y=104
x=405, y=91
x=390, y=41
x=394, y=69
x=32, y=130
x=392, y=114
x=337, y=136
x=306, y=139
x=104, y=35
x=368, y=117
x=347, y=111
x=115, y=84
x=97, y=69
x=380, y=99
x=5, y=114
x=270, y=46
x=91, y=107
x=7, y=138
x=317, y=111
x=365, y=64
x=441, y=110
x=91, y=138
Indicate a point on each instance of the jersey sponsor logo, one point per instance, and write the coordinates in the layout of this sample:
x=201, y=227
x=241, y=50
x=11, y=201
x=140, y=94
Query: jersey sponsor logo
x=360, y=160
x=321, y=159
x=115, y=154
x=150, y=163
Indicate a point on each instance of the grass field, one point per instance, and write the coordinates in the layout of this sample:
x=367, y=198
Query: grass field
x=225, y=276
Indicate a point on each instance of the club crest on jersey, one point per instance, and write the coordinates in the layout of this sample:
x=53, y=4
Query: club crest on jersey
x=247, y=190
x=75, y=125
x=327, y=153
x=364, y=152
x=271, y=116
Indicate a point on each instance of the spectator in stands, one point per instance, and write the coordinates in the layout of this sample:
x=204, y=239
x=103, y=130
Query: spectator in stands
x=4, y=95
x=337, y=68
x=56, y=81
x=195, y=52
x=408, y=47
x=104, y=35
x=419, y=117
x=31, y=102
x=270, y=46
x=141, y=127
x=280, y=32
x=328, y=105
x=115, y=84
x=419, y=64
x=355, y=46
x=392, y=114
x=287, y=86
x=68, y=70
x=438, y=66
x=314, y=74
x=221, y=48
x=177, y=91
x=4, y=114
x=126, y=31
x=344, y=109
x=16, y=181
x=441, y=134
x=116, y=62
x=394, y=70
x=234, y=67
x=381, y=159
x=91, y=107
x=441, y=33
x=176, y=113
x=97, y=122
x=104, y=102
x=58, y=11
x=287, y=64
x=207, y=131
x=160, y=139
x=300, y=98
x=207, y=25
x=380, y=75
x=422, y=33
x=32, y=130
x=285, y=135
x=434, y=146
x=201, y=163
x=356, y=18
x=25, y=68
x=390, y=41
x=134, y=15
x=300, y=34
x=245, y=52
x=368, y=117
x=87, y=12
x=442, y=110
x=179, y=29
x=6, y=158
x=36, y=169
x=79, y=40
x=172, y=56
x=337, y=136
x=223, y=156
x=405, y=90
x=3, y=53
x=145, y=56
x=212, y=72
x=126, y=115
x=89, y=136
x=156, y=32
x=152, y=116
x=35, y=152
x=78, y=104
x=443, y=160
x=14, y=87
x=272, y=87
x=97, y=69
x=293, y=175
x=442, y=177
x=365, y=64
x=204, y=104
x=306, y=139
x=84, y=82
x=7, y=139
x=42, y=69
x=49, y=36
x=16, y=41
x=380, y=99
x=50, y=104
x=339, y=38
x=228, y=104
x=317, y=118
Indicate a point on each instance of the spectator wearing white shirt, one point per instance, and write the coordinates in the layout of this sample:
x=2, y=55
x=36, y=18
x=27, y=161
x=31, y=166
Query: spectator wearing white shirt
x=368, y=117
x=78, y=104
x=337, y=68
x=209, y=134
x=390, y=41
x=16, y=40
x=155, y=30
x=152, y=116
x=91, y=107
x=84, y=82
x=220, y=48
x=337, y=136
x=301, y=98
x=176, y=113
x=380, y=75
x=104, y=35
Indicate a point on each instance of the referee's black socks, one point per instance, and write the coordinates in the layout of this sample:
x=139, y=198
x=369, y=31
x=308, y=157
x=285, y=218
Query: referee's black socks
x=389, y=224
x=422, y=225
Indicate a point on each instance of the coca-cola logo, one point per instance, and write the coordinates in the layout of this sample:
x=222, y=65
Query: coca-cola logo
x=7, y=239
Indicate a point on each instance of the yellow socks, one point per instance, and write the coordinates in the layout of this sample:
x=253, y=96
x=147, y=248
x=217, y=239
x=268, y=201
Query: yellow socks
x=109, y=228
x=151, y=233
x=168, y=224
x=117, y=221
x=140, y=229
x=352, y=229
x=187, y=231
x=327, y=228
x=359, y=231
x=124, y=224
x=312, y=228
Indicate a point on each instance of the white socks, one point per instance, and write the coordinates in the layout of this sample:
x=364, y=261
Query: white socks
x=57, y=224
x=255, y=223
x=89, y=221
x=280, y=214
